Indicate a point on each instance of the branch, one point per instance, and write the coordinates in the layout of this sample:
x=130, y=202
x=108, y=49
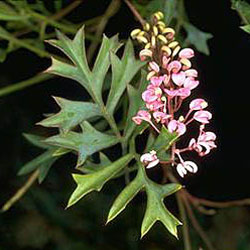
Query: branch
x=196, y=225
x=185, y=231
x=24, y=84
x=217, y=204
x=20, y=192
x=135, y=12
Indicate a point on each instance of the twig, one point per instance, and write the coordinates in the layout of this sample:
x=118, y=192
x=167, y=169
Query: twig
x=24, y=84
x=135, y=12
x=63, y=12
x=111, y=11
x=217, y=204
x=20, y=192
x=185, y=231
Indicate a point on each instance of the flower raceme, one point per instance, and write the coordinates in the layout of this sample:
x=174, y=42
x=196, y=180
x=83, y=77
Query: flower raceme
x=171, y=80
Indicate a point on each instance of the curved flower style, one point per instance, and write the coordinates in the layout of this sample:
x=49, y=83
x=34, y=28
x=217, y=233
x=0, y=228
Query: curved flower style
x=171, y=80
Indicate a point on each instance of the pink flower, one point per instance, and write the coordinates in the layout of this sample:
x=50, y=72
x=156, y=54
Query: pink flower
x=190, y=83
x=198, y=104
x=154, y=106
x=142, y=115
x=171, y=93
x=154, y=66
x=151, y=94
x=161, y=117
x=177, y=126
x=174, y=66
x=202, y=116
x=179, y=78
x=191, y=73
x=185, y=166
x=204, y=144
x=150, y=159
x=156, y=81
x=186, y=53
x=184, y=92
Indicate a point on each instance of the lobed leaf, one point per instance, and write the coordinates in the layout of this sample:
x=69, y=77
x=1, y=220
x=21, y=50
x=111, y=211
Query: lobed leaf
x=135, y=103
x=155, y=210
x=75, y=50
x=72, y=113
x=44, y=161
x=123, y=72
x=85, y=143
x=95, y=181
x=197, y=37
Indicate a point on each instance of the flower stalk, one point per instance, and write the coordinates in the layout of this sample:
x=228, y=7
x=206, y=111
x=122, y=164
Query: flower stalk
x=171, y=81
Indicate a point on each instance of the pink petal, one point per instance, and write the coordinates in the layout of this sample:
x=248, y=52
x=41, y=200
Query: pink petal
x=154, y=66
x=179, y=78
x=202, y=116
x=186, y=53
x=174, y=66
x=191, y=73
x=184, y=92
x=153, y=163
x=157, y=81
x=181, y=170
x=171, y=93
x=190, y=83
x=198, y=104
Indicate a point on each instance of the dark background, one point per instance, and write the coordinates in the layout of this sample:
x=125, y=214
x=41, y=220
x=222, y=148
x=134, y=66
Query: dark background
x=39, y=220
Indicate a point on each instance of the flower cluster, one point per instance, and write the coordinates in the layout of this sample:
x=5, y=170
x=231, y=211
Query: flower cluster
x=171, y=80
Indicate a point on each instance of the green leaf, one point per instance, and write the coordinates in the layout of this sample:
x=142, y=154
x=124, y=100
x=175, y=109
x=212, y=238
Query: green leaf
x=85, y=143
x=155, y=210
x=164, y=140
x=102, y=64
x=36, y=162
x=72, y=113
x=135, y=103
x=197, y=37
x=123, y=72
x=169, y=10
x=243, y=8
x=246, y=28
x=44, y=161
x=95, y=181
x=75, y=50
x=91, y=167
x=37, y=141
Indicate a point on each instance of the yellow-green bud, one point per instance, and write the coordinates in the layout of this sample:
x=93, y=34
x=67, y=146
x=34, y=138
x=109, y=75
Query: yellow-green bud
x=162, y=38
x=176, y=50
x=135, y=32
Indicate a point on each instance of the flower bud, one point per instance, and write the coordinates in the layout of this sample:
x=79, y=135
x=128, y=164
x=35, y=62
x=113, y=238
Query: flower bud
x=142, y=39
x=173, y=44
x=135, y=32
x=175, y=51
x=186, y=63
x=162, y=38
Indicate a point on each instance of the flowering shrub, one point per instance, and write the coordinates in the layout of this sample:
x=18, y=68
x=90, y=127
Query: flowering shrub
x=171, y=80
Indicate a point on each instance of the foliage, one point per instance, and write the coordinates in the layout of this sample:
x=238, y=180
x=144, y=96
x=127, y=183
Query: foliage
x=243, y=9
